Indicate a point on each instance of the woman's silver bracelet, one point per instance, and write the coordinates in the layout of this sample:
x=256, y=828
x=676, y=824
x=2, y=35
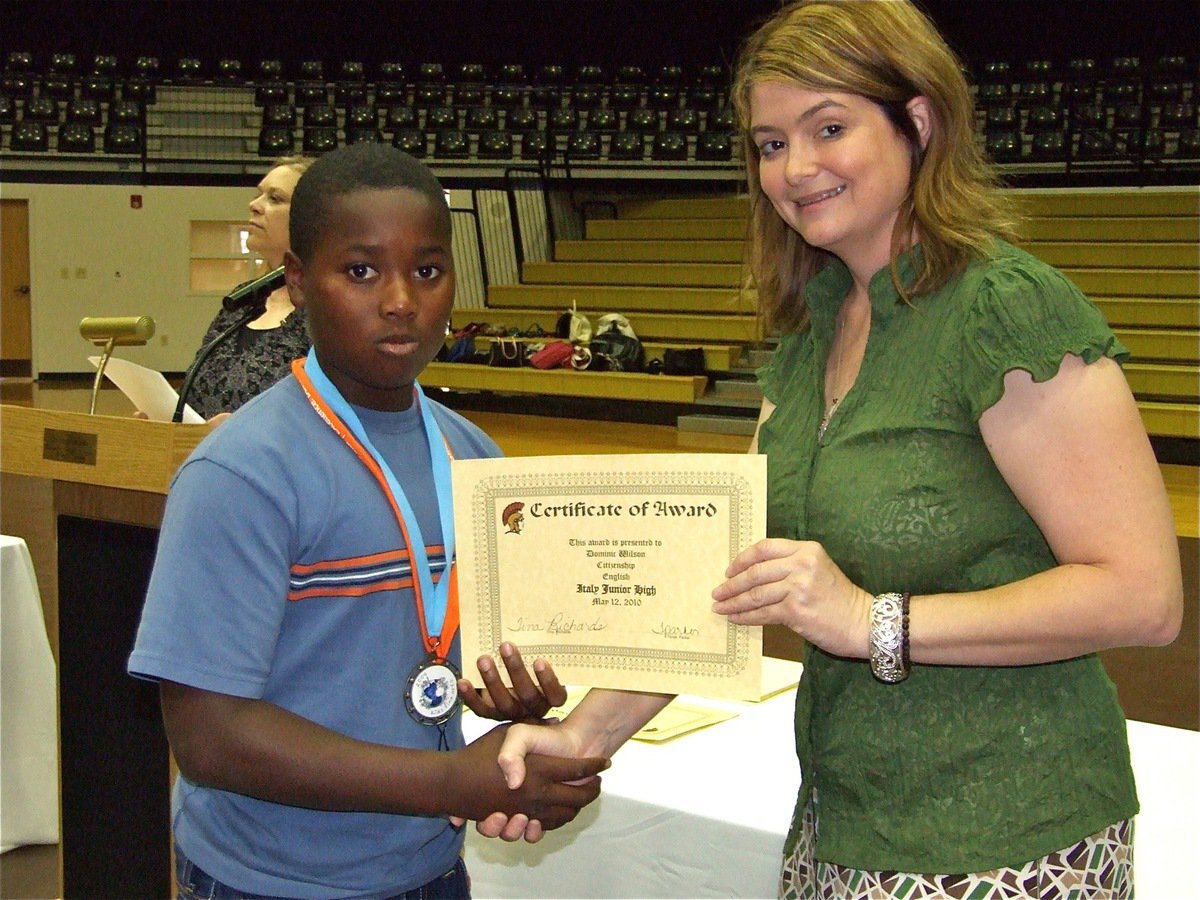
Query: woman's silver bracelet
x=889, y=637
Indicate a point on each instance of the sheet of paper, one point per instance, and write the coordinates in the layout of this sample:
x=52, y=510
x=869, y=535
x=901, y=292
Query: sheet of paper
x=148, y=389
x=681, y=716
x=604, y=565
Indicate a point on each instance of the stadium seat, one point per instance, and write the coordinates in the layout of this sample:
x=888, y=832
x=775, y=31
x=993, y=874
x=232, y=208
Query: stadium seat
x=471, y=73
x=18, y=61
x=523, y=119
x=311, y=93
x=603, y=120
x=320, y=140
x=630, y=74
x=506, y=97
x=391, y=71
x=1188, y=145
x=30, y=136
x=431, y=73
x=1089, y=117
x=358, y=117
x=536, y=145
x=468, y=95
x=590, y=74
x=400, y=118
x=669, y=75
x=351, y=70
x=320, y=117
x=389, y=94
x=1177, y=115
x=270, y=70
x=724, y=119
x=40, y=109
x=411, y=141
x=451, y=145
x=642, y=119
x=229, y=70
x=562, y=119
x=685, y=120
x=364, y=135
x=125, y=111
x=17, y=84
x=669, y=146
x=8, y=110
x=627, y=145
x=84, y=111
x=482, y=118
x=624, y=96
x=511, y=74
x=123, y=137
x=714, y=146
x=1043, y=118
x=98, y=87
x=1079, y=93
x=586, y=97
x=663, y=96
x=441, y=118
x=1000, y=118
x=350, y=93
x=1096, y=145
x=76, y=137
x=1003, y=146
x=994, y=94
x=271, y=92
x=713, y=77
x=428, y=96
x=704, y=98
x=146, y=67
x=1049, y=146
x=188, y=69
x=104, y=64
x=1127, y=115
x=583, y=145
x=140, y=89
x=312, y=70
x=551, y=73
x=279, y=115
x=495, y=145
x=275, y=140
x=60, y=87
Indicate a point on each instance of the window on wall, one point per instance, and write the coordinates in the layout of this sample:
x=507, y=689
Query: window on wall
x=219, y=259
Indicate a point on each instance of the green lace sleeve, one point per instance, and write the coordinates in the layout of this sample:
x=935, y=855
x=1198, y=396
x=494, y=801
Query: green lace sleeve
x=1027, y=315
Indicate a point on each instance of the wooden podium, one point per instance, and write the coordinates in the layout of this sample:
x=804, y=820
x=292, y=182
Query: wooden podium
x=87, y=494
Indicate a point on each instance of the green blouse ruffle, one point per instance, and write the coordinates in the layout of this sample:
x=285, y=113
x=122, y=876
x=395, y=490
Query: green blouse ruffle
x=957, y=769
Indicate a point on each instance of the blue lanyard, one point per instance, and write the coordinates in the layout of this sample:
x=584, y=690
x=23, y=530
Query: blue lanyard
x=431, y=600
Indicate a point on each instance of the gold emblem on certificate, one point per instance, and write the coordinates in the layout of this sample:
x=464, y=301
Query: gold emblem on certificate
x=604, y=565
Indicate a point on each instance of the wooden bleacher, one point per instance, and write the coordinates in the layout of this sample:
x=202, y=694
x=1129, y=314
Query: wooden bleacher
x=674, y=268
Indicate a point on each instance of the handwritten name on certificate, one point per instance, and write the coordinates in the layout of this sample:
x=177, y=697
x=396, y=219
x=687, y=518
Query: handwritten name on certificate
x=604, y=566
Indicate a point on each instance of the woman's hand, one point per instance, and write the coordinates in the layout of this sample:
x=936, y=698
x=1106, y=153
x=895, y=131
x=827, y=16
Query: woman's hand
x=524, y=701
x=519, y=742
x=795, y=583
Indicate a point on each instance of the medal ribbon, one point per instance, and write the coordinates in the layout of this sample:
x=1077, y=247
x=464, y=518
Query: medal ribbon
x=437, y=605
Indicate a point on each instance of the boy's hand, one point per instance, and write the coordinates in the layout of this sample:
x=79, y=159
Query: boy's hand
x=553, y=791
x=524, y=701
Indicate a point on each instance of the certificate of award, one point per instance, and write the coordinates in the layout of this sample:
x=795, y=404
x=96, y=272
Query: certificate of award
x=604, y=566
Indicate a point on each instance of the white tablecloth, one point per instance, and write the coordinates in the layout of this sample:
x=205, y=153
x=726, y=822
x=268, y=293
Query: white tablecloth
x=28, y=707
x=706, y=815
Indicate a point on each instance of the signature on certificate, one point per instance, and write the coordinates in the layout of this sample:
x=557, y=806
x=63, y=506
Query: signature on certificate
x=677, y=632
x=559, y=623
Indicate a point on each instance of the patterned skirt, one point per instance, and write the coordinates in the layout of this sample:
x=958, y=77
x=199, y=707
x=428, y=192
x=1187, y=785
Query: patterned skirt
x=1100, y=867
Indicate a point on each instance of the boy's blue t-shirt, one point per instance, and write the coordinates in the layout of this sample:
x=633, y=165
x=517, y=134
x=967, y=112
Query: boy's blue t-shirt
x=281, y=575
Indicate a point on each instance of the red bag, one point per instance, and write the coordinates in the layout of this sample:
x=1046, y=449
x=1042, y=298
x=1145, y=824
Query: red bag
x=554, y=355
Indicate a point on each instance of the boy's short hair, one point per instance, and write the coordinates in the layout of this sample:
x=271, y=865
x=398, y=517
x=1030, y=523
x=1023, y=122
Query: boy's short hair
x=357, y=167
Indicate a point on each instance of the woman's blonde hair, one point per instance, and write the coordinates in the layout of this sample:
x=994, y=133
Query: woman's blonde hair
x=888, y=52
x=298, y=162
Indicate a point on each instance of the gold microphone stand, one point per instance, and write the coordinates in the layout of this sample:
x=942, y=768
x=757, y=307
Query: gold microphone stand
x=113, y=331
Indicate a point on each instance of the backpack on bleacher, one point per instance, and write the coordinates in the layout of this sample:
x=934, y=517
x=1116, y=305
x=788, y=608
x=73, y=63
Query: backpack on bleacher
x=615, y=347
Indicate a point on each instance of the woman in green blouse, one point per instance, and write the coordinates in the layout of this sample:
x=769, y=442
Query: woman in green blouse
x=963, y=503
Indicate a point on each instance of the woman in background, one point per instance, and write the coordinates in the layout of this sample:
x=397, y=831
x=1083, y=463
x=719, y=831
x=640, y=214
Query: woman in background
x=261, y=351
x=963, y=508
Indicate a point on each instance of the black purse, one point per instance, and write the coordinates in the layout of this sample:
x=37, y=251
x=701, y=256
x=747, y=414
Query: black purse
x=506, y=353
